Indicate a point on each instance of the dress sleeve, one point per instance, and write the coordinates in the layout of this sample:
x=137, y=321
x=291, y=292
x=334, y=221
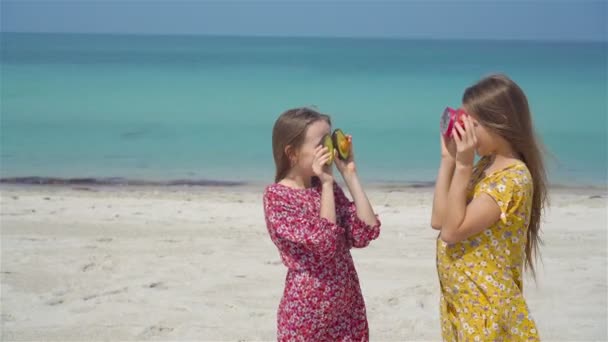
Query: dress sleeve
x=507, y=188
x=289, y=222
x=358, y=233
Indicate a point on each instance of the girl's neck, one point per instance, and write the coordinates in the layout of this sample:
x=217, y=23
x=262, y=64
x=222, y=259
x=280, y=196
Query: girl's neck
x=506, y=152
x=503, y=158
x=297, y=181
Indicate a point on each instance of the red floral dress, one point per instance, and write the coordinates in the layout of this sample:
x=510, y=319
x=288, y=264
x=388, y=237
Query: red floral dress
x=322, y=300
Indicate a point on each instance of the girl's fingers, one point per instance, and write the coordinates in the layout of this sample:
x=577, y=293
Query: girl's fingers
x=474, y=138
x=465, y=126
x=456, y=137
x=471, y=132
x=461, y=131
x=324, y=160
x=318, y=152
x=323, y=154
x=323, y=150
x=469, y=128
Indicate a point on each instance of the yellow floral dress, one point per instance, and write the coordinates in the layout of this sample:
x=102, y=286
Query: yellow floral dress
x=481, y=277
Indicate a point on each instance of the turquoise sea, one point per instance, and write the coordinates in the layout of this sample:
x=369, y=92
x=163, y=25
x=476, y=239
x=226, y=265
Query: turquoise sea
x=202, y=108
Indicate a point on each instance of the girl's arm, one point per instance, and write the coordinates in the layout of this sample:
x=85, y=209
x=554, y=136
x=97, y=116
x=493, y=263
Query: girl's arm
x=328, y=203
x=442, y=184
x=357, y=217
x=323, y=171
x=364, y=209
x=349, y=172
x=461, y=220
x=440, y=197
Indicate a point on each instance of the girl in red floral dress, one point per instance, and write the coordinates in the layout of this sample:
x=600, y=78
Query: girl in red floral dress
x=314, y=226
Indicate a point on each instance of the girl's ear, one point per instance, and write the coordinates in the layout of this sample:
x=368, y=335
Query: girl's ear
x=291, y=154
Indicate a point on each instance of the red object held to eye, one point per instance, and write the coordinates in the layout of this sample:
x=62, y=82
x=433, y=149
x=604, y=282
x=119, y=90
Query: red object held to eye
x=448, y=121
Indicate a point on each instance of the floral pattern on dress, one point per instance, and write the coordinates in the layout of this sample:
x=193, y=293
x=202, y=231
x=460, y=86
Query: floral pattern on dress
x=481, y=277
x=322, y=300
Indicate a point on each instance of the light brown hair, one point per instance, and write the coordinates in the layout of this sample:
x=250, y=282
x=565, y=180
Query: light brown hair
x=500, y=105
x=290, y=130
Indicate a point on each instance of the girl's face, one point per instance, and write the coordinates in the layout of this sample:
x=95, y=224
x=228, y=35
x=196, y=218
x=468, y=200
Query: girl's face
x=302, y=158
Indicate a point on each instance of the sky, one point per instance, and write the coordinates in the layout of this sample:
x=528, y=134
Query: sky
x=566, y=20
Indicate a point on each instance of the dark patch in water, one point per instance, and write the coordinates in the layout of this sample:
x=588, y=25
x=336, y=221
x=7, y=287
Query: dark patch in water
x=421, y=185
x=116, y=156
x=132, y=135
x=84, y=188
x=407, y=185
x=112, y=181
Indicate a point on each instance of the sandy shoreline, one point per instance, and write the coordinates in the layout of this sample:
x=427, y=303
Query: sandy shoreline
x=195, y=263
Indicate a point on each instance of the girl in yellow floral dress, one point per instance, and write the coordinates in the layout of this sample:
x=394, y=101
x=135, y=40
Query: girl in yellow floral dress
x=488, y=215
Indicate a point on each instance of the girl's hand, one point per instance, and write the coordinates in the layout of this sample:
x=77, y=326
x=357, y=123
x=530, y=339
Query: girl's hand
x=319, y=164
x=448, y=148
x=466, y=142
x=346, y=167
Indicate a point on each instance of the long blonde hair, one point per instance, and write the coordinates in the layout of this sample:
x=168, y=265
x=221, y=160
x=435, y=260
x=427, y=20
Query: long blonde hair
x=501, y=106
x=290, y=130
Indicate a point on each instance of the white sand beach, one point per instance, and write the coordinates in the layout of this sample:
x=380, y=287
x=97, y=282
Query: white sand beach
x=196, y=263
